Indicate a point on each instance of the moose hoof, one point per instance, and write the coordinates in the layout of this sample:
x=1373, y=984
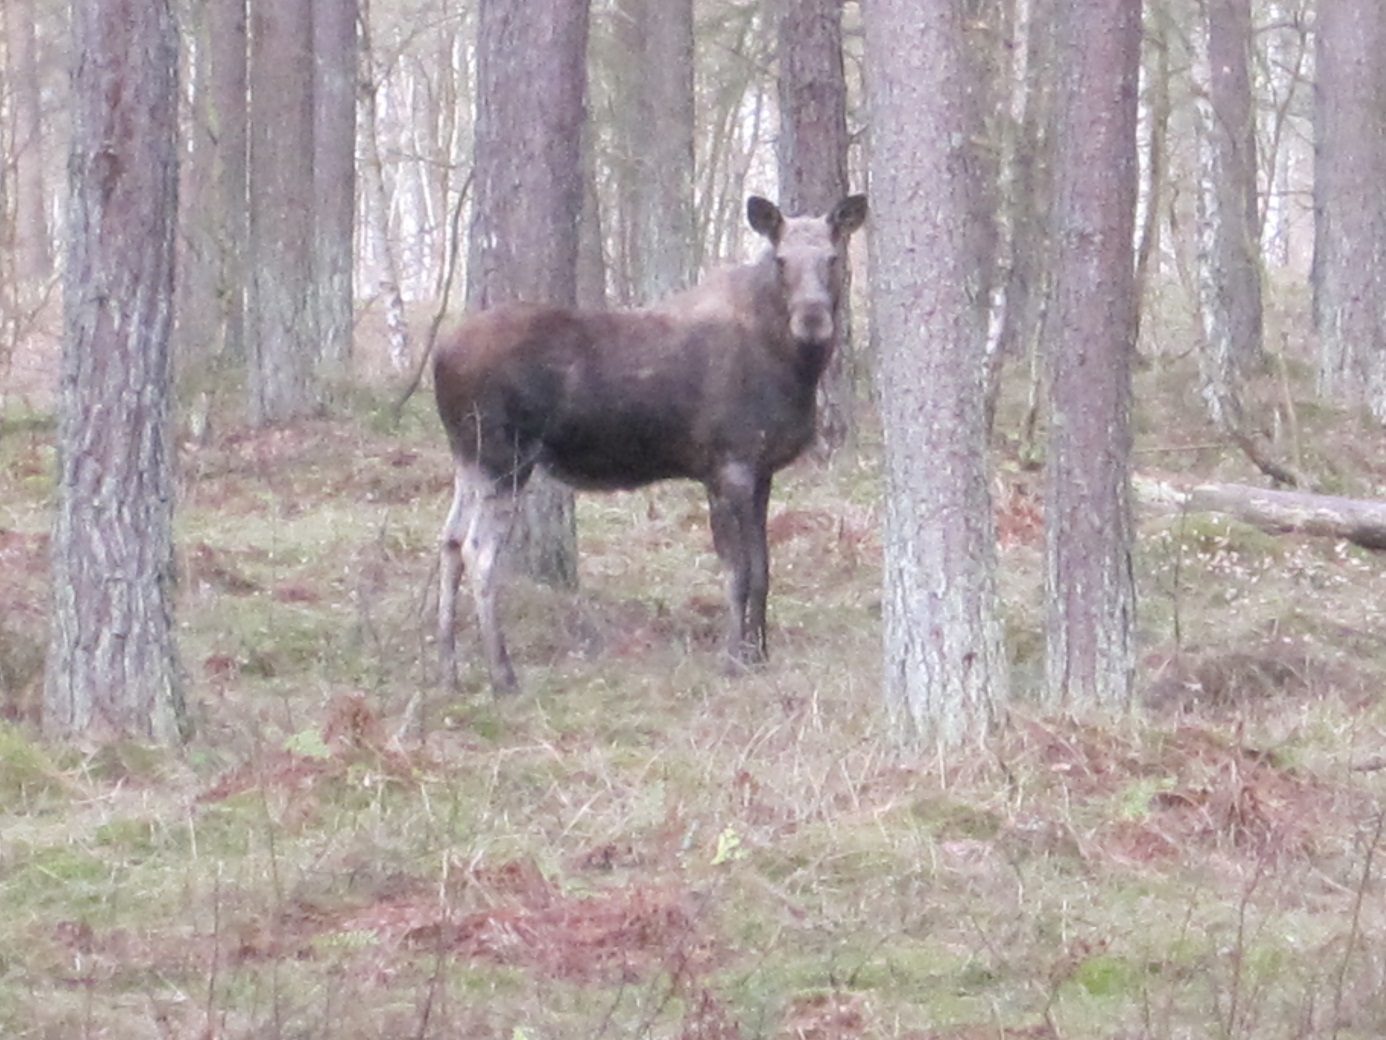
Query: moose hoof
x=744, y=659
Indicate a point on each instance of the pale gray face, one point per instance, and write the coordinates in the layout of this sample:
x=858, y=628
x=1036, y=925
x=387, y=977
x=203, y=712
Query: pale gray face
x=808, y=260
x=806, y=256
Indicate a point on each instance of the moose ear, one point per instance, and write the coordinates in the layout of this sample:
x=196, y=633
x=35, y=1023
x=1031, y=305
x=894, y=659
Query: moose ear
x=848, y=215
x=764, y=217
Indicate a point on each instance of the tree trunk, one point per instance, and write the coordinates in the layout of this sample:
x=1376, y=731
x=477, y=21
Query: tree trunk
x=378, y=206
x=197, y=326
x=1027, y=239
x=1089, y=588
x=282, y=305
x=945, y=669
x=812, y=153
x=1350, y=202
x=111, y=668
x=655, y=117
x=1158, y=112
x=229, y=96
x=32, y=250
x=1229, y=256
x=334, y=178
x=531, y=73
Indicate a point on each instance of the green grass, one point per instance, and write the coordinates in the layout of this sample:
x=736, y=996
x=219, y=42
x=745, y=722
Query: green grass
x=639, y=845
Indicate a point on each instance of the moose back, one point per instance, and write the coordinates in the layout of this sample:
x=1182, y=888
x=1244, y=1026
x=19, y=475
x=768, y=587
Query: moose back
x=715, y=384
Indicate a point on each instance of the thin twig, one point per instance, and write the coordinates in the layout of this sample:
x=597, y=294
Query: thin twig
x=449, y=276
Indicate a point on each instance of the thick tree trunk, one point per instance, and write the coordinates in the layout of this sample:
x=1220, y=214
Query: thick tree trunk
x=1089, y=587
x=281, y=304
x=655, y=116
x=1350, y=202
x=945, y=669
x=812, y=153
x=111, y=667
x=531, y=73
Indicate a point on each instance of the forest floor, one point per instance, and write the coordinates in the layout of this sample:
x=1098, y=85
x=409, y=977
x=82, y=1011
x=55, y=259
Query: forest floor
x=639, y=846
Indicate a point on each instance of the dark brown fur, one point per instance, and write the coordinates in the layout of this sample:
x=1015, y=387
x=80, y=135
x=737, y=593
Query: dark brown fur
x=717, y=385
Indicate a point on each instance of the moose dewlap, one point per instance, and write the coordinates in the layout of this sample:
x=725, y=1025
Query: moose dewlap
x=716, y=384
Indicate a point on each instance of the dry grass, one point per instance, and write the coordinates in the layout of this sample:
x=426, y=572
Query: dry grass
x=641, y=847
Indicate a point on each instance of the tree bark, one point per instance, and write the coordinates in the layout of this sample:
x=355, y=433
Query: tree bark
x=531, y=85
x=1089, y=587
x=1350, y=202
x=334, y=178
x=228, y=74
x=32, y=249
x=282, y=304
x=812, y=154
x=655, y=118
x=1229, y=256
x=378, y=206
x=945, y=669
x=112, y=670
x=1357, y=520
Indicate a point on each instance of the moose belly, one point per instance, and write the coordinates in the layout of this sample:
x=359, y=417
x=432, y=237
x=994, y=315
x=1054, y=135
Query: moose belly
x=616, y=456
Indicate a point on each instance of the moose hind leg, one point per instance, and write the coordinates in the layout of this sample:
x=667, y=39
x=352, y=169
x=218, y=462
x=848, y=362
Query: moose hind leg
x=486, y=536
x=450, y=576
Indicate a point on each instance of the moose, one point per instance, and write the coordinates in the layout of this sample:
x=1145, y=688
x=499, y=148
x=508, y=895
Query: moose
x=715, y=384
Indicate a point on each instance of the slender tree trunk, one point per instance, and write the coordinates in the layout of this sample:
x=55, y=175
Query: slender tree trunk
x=1229, y=258
x=531, y=73
x=282, y=302
x=334, y=178
x=945, y=669
x=1350, y=202
x=229, y=96
x=112, y=670
x=378, y=206
x=1089, y=587
x=1028, y=201
x=812, y=152
x=32, y=250
x=1158, y=109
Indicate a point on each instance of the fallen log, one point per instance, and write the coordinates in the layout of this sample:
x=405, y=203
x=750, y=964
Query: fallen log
x=1361, y=521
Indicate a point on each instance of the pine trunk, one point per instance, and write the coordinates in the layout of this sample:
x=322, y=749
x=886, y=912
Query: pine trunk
x=334, y=177
x=945, y=669
x=531, y=73
x=1350, y=202
x=1089, y=587
x=812, y=154
x=282, y=307
x=112, y=669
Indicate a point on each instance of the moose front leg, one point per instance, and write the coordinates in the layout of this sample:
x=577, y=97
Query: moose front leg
x=758, y=575
x=737, y=502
